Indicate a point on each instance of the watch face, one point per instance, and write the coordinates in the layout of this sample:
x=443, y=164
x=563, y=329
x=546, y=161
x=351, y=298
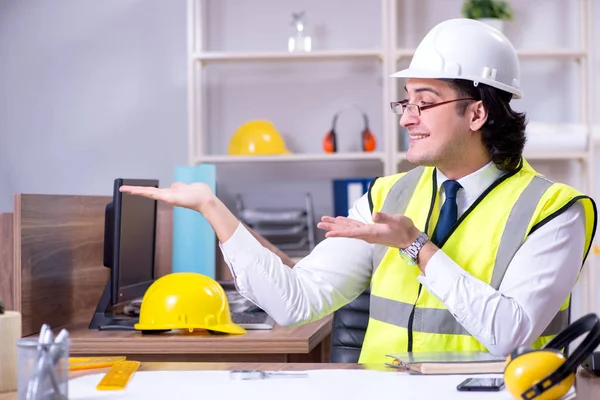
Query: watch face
x=407, y=259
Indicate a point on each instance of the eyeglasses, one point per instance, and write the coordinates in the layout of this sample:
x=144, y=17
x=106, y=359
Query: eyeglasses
x=400, y=107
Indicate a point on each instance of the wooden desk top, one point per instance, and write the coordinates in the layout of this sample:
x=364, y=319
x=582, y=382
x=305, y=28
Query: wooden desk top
x=300, y=339
x=587, y=385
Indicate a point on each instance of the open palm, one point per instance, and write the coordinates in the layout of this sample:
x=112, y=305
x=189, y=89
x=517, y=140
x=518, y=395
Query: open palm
x=388, y=230
x=193, y=195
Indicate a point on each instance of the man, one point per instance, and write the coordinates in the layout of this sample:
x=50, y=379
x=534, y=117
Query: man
x=471, y=250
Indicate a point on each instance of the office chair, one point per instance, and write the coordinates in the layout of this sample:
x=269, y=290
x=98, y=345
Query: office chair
x=348, y=331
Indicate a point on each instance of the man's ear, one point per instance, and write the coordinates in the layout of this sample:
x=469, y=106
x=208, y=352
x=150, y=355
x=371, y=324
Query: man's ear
x=479, y=116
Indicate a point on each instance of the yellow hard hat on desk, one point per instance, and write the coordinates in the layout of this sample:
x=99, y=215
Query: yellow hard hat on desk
x=186, y=300
x=258, y=137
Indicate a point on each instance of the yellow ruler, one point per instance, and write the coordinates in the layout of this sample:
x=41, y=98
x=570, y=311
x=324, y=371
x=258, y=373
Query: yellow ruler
x=118, y=375
x=79, y=363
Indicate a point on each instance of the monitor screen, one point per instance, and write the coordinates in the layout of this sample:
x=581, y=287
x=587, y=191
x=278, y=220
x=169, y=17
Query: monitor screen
x=134, y=241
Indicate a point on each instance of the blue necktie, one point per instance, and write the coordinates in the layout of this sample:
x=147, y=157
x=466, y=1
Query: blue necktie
x=449, y=211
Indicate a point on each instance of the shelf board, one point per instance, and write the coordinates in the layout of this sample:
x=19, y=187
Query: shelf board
x=523, y=54
x=225, y=159
x=555, y=155
x=535, y=155
x=558, y=53
x=215, y=56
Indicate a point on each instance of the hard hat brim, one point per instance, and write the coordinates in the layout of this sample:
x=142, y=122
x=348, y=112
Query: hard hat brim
x=428, y=74
x=224, y=328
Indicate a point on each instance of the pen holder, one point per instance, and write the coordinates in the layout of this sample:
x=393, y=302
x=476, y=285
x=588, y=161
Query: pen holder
x=10, y=332
x=43, y=370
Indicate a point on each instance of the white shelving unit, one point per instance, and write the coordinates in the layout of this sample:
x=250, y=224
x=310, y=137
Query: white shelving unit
x=199, y=59
x=207, y=57
x=389, y=57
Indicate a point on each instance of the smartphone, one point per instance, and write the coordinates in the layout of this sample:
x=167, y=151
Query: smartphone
x=481, y=385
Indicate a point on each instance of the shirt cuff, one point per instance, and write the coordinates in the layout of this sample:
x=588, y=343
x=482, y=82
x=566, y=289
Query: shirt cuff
x=441, y=275
x=241, y=250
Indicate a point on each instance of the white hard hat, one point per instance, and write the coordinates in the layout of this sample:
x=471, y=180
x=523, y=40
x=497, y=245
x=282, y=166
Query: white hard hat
x=463, y=48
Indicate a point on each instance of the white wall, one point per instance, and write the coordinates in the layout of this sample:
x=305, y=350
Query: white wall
x=91, y=91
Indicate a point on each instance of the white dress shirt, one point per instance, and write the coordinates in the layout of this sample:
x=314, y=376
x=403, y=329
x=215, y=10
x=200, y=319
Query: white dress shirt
x=540, y=276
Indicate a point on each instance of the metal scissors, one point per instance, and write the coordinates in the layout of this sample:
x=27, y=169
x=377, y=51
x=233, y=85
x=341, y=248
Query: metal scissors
x=252, y=374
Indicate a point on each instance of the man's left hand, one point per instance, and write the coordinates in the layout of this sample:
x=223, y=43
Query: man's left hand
x=389, y=230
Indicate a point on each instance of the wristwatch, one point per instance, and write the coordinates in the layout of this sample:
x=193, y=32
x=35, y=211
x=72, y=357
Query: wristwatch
x=409, y=254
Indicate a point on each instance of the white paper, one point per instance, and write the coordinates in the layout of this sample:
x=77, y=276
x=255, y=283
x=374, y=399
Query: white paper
x=355, y=192
x=320, y=384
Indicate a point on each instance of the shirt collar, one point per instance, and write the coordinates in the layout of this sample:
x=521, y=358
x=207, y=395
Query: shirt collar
x=476, y=182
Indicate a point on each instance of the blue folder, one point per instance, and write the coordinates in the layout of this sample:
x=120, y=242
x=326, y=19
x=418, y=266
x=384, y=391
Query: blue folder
x=346, y=191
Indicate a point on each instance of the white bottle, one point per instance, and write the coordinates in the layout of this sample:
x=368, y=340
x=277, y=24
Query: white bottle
x=299, y=42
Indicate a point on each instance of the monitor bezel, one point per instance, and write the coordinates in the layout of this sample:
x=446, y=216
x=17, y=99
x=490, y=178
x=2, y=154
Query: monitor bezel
x=127, y=293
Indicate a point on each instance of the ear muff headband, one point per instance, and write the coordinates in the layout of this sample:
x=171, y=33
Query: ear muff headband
x=588, y=323
x=367, y=138
x=365, y=121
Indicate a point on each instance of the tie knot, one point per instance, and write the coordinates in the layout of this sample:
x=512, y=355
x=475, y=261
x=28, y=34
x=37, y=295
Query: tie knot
x=450, y=188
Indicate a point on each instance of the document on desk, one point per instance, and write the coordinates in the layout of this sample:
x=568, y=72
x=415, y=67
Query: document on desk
x=448, y=362
x=318, y=384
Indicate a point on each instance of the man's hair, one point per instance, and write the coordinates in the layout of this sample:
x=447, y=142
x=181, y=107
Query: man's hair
x=503, y=134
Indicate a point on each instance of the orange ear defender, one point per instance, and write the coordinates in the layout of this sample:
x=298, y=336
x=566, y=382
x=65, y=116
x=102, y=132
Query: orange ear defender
x=368, y=141
x=547, y=373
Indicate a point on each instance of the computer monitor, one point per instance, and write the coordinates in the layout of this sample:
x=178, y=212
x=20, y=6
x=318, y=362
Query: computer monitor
x=129, y=251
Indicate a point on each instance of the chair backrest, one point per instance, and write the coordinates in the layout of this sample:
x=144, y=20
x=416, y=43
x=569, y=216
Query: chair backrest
x=349, y=327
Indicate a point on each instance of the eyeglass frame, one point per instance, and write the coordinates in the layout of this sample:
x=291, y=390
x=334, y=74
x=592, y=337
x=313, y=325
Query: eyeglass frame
x=405, y=104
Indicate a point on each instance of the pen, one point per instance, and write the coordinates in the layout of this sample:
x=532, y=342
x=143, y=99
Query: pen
x=245, y=375
x=45, y=333
x=49, y=353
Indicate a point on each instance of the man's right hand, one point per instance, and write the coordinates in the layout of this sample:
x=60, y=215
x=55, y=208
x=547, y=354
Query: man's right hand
x=195, y=196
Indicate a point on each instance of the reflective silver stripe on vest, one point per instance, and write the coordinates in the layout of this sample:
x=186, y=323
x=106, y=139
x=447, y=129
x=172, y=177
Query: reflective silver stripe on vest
x=427, y=320
x=436, y=320
x=396, y=203
x=558, y=323
x=516, y=227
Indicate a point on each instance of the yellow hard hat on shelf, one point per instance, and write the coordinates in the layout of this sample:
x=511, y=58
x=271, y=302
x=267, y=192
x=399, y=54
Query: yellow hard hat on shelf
x=186, y=300
x=258, y=137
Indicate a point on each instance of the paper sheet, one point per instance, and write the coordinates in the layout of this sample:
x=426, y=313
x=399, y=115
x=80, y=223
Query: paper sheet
x=320, y=384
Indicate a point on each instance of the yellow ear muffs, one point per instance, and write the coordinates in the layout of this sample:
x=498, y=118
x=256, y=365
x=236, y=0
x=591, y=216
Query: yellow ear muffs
x=368, y=140
x=530, y=367
x=547, y=374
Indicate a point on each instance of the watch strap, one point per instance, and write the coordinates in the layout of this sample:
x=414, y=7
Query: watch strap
x=413, y=250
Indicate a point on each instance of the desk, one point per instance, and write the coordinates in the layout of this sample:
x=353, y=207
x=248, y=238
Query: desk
x=306, y=343
x=587, y=385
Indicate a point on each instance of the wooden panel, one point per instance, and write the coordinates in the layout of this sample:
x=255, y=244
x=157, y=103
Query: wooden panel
x=7, y=283
x=299, y=339
x=164, y=357
x=61, y=258
x=164, y=239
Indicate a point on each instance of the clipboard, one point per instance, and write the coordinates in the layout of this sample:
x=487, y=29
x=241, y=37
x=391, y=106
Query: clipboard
x=447, y=362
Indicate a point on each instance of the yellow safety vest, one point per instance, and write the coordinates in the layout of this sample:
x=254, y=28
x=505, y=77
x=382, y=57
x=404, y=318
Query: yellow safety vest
x=404, y=316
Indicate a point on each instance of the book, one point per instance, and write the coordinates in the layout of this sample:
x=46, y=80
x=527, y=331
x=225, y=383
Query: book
x=447, y=362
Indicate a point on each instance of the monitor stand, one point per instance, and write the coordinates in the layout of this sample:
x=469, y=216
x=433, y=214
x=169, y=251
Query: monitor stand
x=105, y=320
